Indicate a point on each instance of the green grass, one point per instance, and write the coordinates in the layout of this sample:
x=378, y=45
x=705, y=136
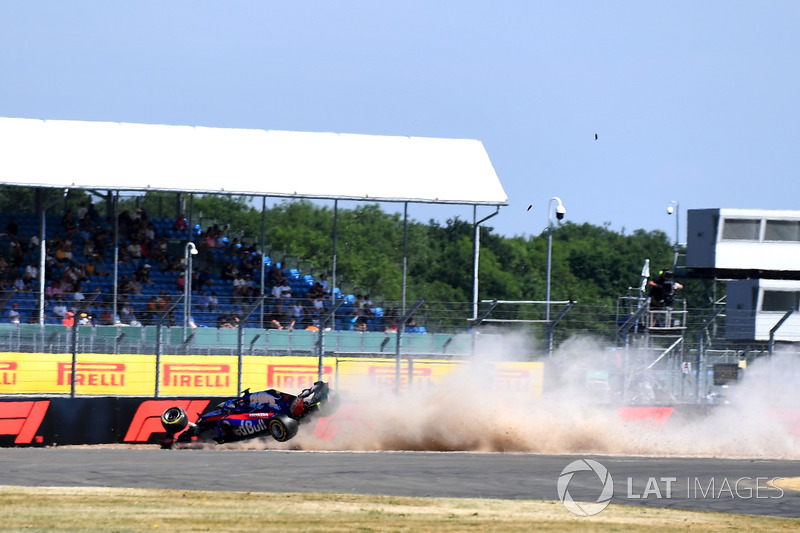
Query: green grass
x=136, y=510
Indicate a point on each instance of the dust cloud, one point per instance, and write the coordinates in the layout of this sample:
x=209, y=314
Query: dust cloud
x=586, y=387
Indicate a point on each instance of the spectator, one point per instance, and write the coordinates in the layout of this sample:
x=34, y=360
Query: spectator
x=142, y=274
x=95, y=269
x=213, y=302
x=60, y=309
x=181, y=224
x=229, y=272
x=271, y=318
x=238, y=287
x=133, y=252
x=202, y=301
x=297, y=313
x=390, y=321
x=124, y=286
x=249, y=263
x=94, y=216
x=16, y=252
x=105, y=317
x=78, y=298
x=276, y=290
x=127, y=315
x=68, y=221
x=662, y=289
x=63, y=253
x=319, y=304
x=84, y=319
x=323, y=280
x=204, y=279
x=315, y=291
x=82, y=211
x=282, y=313
x=69, y=319
x=163, y=302
x=12, y=228
x=224, y=321
x=151, y=312
x=13, y=314
x=274, y=275
x=286, y=289
x=54, y=290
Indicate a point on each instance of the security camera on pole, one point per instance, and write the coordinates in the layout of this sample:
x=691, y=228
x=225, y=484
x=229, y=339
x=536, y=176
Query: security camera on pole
x=560, y=212
x=674, y=205
x=191, y=250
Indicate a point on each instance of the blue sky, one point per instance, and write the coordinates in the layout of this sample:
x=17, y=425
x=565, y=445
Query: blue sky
x=691, y=101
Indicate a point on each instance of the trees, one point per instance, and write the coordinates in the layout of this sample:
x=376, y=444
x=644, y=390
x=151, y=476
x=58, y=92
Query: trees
x=590, y=264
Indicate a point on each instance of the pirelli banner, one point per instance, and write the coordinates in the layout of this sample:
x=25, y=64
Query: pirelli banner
x=135, y=375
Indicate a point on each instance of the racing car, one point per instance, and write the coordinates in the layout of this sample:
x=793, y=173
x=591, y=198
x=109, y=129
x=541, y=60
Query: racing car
x=253, y=414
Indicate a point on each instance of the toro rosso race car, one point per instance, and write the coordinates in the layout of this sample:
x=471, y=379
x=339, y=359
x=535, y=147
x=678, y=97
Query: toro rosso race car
x=270, y=412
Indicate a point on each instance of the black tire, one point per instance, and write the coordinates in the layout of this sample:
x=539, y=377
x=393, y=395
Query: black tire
x=329, y=405
x=283, y=428
x=174, y=420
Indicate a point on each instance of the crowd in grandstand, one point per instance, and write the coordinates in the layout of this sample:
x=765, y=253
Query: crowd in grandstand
x=225, y=279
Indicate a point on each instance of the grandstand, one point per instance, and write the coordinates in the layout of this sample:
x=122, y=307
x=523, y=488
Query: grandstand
x=98, y=289
x=114, y=157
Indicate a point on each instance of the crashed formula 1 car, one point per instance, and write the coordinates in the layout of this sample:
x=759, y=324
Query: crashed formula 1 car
x=270, y=412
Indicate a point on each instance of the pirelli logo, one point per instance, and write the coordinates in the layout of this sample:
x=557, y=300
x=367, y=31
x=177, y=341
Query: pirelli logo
x=512, y=379
x=384, y=376
x=290, y=377
x=92, y=374
x=8, y=373
x=197, y=375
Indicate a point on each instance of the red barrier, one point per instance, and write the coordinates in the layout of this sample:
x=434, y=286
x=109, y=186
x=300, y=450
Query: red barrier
x=22, y=419
x=656, y=417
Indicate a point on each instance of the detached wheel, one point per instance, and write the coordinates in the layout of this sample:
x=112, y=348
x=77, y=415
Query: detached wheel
x=174, y=420
x=283, y=428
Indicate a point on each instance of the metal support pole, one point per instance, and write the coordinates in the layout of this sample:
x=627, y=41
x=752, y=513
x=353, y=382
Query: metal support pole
x=159, y=323
x=405, y=257
x=74, y=371
x=477, y=322
x=560, y=211
x=240, y=338
x=775, y=328
x=263, y=256
x=189, y=251
x=476, y=256
x=43, y=253
x=115, y=299
x=401, y=328
x=323, y=320
x=332, y=285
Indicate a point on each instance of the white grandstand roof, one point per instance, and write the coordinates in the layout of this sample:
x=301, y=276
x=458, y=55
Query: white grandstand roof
x=147, y=157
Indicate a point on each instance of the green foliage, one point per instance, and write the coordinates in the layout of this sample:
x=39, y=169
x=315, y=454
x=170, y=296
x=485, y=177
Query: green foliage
x=590, y=264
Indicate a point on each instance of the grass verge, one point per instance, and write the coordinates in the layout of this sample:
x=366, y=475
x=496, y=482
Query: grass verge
x=63, y=509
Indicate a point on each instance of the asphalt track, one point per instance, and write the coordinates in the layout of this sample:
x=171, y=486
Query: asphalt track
x=724, y=485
